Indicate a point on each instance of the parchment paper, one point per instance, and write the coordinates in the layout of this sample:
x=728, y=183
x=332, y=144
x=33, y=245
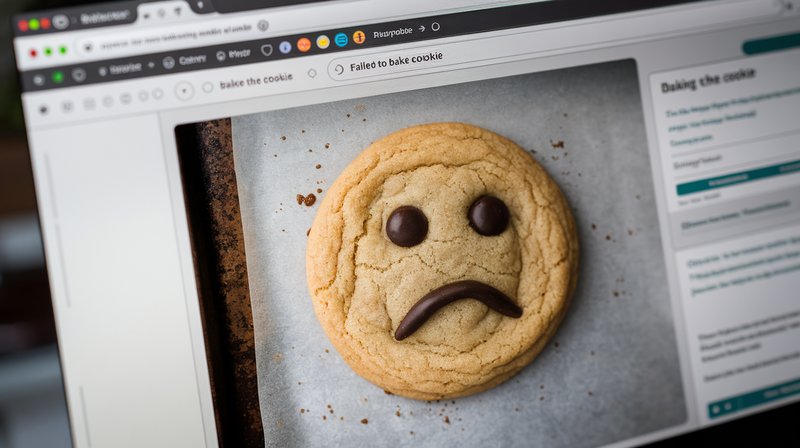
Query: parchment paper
x=611, y=371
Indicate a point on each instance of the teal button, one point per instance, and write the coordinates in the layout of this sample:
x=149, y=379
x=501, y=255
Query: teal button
x=738, y=178
x=776, y=43
x=755, y=398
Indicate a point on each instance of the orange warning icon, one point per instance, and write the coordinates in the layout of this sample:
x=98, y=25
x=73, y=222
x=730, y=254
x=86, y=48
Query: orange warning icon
x=303, y=44
x=359, y=37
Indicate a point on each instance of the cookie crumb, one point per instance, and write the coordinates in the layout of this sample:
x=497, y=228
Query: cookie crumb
x=387, y=392
x=516, y=409
x=327, y=145
x=283, y=137
x=318, y=166
x=594, y=226
x=608, y=237
x=555, y=344
x=319, y=190
x=616, y=293
x=274, y=155
x=308, y=232
x=341, y=418
x=302, y=131
x=591, y=353
x=327, y=351
x=590, y=393
x=447, y=419
x=541, y=398
x=277, y=357
x=397, y=413
x=557, y=144
x=302, y=411
x=324, y=417
x=541, y=386
x=348, y=115
x=363, y=119
x=308, y=200
x=411, y=432
x=364, y=421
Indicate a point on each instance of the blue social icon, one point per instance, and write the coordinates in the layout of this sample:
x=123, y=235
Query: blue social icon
x=340, y=39
x=285, y=47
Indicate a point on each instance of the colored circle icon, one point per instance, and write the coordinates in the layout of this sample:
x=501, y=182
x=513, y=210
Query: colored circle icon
x=340, y=39
x=303, y=44
x=22, y=25
x=323, y=42
x=33, y=24
x=57, y=77
x=359, y=37
x=285, y=47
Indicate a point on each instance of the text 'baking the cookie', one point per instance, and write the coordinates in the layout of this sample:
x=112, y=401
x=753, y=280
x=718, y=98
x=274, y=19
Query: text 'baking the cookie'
x=372, y=65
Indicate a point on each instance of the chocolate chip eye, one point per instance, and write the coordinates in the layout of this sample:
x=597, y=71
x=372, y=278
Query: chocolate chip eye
x=488, y=216
x=407, y=226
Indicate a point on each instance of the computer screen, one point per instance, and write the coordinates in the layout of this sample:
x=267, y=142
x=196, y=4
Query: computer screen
x=403, y=223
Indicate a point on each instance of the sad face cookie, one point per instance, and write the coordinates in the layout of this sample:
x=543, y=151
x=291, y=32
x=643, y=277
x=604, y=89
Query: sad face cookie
x=441, y=261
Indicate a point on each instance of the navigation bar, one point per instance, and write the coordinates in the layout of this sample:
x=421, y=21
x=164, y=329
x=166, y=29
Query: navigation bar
x=314, y=43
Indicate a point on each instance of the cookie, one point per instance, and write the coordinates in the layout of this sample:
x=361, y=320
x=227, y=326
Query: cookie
x=441, y=261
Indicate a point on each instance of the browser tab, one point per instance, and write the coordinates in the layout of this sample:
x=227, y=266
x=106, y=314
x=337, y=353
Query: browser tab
x=70, y=19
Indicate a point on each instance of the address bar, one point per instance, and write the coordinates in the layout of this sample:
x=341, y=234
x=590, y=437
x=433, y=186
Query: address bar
x=558, y=38
x=241, y=27
x=174, y=37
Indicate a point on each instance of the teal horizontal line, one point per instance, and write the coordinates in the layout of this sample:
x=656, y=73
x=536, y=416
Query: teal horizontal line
x=738, y=178
x=776, y=43
x=754, y=398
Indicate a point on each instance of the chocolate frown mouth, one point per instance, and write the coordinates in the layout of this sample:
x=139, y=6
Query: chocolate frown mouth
x=442, y=296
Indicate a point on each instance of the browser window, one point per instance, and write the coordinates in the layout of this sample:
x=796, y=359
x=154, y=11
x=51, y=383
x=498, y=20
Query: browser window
x=267, y=226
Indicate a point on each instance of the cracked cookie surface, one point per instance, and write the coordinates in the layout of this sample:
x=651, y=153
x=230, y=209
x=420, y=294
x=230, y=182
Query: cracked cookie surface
x=363, y=284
